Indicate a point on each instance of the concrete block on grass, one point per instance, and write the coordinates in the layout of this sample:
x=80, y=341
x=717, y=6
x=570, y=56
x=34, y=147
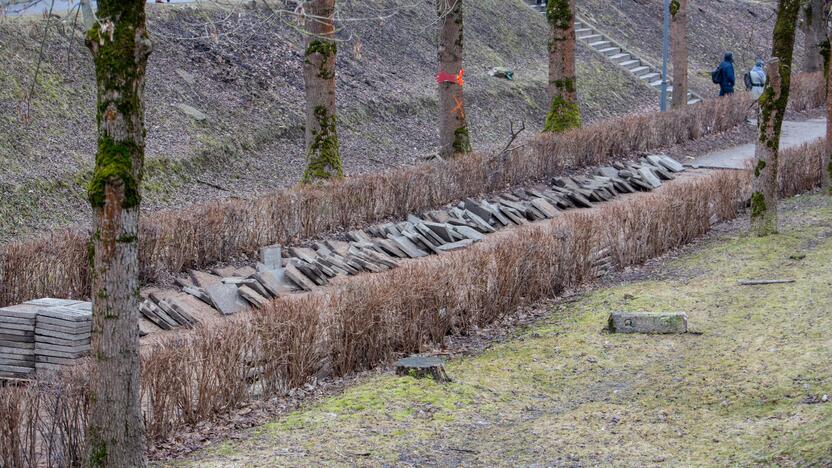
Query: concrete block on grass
x=651, y=323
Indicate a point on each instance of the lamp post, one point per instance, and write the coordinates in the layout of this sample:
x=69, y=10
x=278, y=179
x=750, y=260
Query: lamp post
x=665, y=55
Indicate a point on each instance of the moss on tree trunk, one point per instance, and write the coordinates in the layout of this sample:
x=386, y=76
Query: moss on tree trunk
x=679, y=51
x=564, y=113
x=120, y=46
x=323, y=155
x=773, y=103
x=454, y=139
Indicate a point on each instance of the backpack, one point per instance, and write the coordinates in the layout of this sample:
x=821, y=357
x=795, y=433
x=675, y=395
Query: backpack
x=746, y=78
x=716, y=75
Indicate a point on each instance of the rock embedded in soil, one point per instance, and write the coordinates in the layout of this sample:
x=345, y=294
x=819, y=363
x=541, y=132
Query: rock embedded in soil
x=650, y=323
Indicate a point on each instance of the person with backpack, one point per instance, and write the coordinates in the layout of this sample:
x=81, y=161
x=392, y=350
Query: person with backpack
x=755, y=80
x=724, y=75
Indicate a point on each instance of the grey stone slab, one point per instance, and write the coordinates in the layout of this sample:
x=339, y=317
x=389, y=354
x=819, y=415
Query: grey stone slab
x=367, y=264
x=469, y=233
x=20, y=311
x=18, y=326
x=27, y=361
x=253, y=297
x=73, y=340
x=648, y=177
x=275, y=282
x=481, y=224
x=172, y=312
x=200, y=294
x=420, y=240
x=666, y=162
x=56, y=360
x=202, y=279
x=294, y=275
x=79, y=347
x=62, y=325
x=12, y=370
x=442, y=230
x=52, y=302
x=544, y=207
x=408, y=247
x=607, y=171
x=390, y=248
x=66, y=313
x=339, y=247
x=150, y=315
x=28, y=344
x=429, y=234
x=61, y=354
x=513, y=215
x=7, y=350
x=579, y=200
x=358, y=236
x=381, y=258
x=391, y=229
x=226, y=298
x=271, y=257
x=8, y=331
x=311, y=272
x=474, y=207
x=439, y=216
x=455, y=245
x=654, y=323
x=77, y=335
x=497, y=214
x=336, y=262
x=162, y=314
x=640, y=184
x=28, y=338
x=413, y=219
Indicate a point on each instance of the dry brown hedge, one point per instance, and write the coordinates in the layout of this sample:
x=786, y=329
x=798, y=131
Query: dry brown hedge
x=171, y=241
x=194, y=377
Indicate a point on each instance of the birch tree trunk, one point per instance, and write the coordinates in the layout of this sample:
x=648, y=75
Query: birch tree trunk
x=564, y=113
x=773, y=104
x=322, y=149
x=454, y=139
x=120, y=45
x=679, y=51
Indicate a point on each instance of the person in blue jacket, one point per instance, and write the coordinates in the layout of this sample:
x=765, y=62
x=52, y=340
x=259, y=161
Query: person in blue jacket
x=724, y=75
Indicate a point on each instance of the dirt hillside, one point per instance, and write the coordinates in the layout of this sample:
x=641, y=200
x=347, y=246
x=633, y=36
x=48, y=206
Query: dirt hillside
x=240, y=67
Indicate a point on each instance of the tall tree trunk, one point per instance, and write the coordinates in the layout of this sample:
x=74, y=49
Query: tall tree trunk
x=772, y=104
x=679, y=51
x=564, y=113
x=120, y=46
x=454, y=139
x=814, y=28
x=322, y=149
x=826, y=159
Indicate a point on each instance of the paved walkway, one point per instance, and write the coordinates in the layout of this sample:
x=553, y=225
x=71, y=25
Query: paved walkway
x=739, y=157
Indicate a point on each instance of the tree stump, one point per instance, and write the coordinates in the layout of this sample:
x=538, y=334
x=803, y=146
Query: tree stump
x=420, y=367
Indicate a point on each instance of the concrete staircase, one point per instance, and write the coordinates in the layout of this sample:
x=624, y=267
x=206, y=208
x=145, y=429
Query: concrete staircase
x=596, y=40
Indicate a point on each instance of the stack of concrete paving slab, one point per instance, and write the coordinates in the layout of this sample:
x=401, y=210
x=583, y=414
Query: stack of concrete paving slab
x=17, y=341
x=43, y=335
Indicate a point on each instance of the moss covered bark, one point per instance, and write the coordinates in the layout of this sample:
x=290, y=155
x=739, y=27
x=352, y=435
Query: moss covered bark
x=323, y=157
x=564, y=113
x=773, y=104
x=120, y=46
x=454, y=138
